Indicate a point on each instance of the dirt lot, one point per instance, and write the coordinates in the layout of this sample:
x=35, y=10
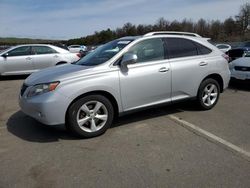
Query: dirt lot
x=146, y=149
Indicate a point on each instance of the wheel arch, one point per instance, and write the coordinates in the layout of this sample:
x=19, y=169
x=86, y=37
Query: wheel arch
x=106, y=94
x=218, y=78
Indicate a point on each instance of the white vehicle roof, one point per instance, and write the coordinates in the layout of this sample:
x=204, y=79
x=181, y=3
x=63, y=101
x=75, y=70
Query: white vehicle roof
x=58, y=49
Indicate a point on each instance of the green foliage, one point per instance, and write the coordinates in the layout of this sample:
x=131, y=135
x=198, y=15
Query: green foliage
x=15, y=41
x=231, y=29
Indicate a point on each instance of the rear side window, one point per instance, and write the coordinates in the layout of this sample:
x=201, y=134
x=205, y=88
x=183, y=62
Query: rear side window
x=20, y=51
x=222, y=46
x=149, y=50
x=178, y=47
x=202, y=50
x=74, y=46
x=43, y=50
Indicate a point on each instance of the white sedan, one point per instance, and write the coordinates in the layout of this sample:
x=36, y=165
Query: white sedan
x=77, y=48
x=224, y=47
x=26, y=59
x=240, y=68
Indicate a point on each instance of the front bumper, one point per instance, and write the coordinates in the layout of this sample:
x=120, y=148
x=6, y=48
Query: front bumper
x=49, y=108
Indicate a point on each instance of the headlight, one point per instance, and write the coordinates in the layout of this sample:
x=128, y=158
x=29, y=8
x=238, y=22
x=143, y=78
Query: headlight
x=42, y=88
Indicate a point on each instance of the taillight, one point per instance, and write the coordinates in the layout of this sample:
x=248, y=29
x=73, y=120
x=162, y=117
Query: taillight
x=78, y=55
x=226, y=57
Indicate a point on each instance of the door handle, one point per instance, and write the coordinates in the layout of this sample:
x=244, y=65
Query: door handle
x=203, y=63
x=28, y=58
x=56, y=56
x=163, y=69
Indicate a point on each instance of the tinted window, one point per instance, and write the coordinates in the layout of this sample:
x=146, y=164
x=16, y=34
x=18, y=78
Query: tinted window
x=74, y=46
x=20, y=51
x=202, y=50
x=149, y=50
x=245, y=44
x=178, y=47
x=43, y=50
x=222, y=46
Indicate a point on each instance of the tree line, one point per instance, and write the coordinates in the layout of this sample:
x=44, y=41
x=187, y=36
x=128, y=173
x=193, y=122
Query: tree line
x=232, y=29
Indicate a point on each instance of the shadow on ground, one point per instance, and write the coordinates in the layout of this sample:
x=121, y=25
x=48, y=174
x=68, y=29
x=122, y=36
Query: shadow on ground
x=239, y=85
x=30, y=130
x=19, y=77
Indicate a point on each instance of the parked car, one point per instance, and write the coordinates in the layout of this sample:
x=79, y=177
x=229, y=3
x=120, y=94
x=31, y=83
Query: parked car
x=240, y=68
x=245, y=45
x=239, y=51
x=224, y=47
x=125, y=75
x=26, y=59
x=77, y=48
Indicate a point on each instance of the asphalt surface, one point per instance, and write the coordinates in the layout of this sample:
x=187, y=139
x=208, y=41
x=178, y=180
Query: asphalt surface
x=145, y=149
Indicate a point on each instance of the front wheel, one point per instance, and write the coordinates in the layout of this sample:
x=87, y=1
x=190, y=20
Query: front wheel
x=90, y=116
x=208, y=94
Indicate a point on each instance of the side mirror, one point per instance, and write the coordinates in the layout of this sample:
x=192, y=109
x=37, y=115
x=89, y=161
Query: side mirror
x=128, y=58
x=5, y=55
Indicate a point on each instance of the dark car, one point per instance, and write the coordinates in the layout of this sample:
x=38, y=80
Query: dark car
x=239, y=51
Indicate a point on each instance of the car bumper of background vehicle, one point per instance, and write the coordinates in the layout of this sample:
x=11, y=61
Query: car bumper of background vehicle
x=46, y=108
x=240, y=75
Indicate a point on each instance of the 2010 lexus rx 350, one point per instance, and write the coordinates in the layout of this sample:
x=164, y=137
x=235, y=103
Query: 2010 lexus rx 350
x=126, y=74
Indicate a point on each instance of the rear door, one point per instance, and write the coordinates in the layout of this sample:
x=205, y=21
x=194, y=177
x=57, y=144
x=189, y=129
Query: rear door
x=190, y=62
x=44, y=56
x=18, y=61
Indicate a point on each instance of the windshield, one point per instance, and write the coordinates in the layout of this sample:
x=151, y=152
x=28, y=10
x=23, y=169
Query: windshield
x=245, y=44
x=103, y=53
x=2, y=51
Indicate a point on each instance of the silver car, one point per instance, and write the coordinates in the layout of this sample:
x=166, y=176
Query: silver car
x=224, y=47
x=77, y=48
x=240, y=68
x=124, y=75
x=26, y=59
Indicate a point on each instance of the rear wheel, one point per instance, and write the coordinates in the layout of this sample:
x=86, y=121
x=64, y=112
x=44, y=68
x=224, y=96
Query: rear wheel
x=90, y=116
x=208, y=94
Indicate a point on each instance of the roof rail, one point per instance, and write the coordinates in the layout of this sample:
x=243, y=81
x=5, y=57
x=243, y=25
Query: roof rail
x=172, y=33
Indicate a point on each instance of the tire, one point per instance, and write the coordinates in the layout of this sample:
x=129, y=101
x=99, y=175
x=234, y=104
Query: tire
x=90, y=116
x=208, y=94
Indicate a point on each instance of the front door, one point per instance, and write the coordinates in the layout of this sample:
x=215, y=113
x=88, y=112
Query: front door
x=147, y=82
x=18, y=61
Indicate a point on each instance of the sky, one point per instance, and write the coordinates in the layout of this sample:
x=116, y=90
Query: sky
x=61, y=19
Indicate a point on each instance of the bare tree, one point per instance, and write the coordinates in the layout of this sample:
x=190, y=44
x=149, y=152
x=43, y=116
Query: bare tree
x=243, y=18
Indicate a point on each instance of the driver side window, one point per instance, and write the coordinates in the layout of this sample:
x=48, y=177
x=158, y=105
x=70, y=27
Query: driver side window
x=20, y=51
x=148, y=50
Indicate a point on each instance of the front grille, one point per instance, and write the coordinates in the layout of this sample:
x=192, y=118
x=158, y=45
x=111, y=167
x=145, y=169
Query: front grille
x=240, y=68
x=24, y=87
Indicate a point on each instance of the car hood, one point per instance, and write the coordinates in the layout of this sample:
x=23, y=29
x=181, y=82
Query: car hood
x=243, y=61
x=57, y=73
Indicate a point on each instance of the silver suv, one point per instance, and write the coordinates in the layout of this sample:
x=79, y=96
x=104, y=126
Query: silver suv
x=124, y=75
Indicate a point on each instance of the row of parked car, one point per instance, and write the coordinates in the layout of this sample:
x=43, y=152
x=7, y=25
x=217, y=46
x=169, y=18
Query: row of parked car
x=239, y=60
x=26, y=59
x=121, y=76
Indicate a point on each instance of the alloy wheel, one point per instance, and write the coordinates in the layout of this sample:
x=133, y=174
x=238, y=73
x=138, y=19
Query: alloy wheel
x=92, y=116
x=210, y=94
